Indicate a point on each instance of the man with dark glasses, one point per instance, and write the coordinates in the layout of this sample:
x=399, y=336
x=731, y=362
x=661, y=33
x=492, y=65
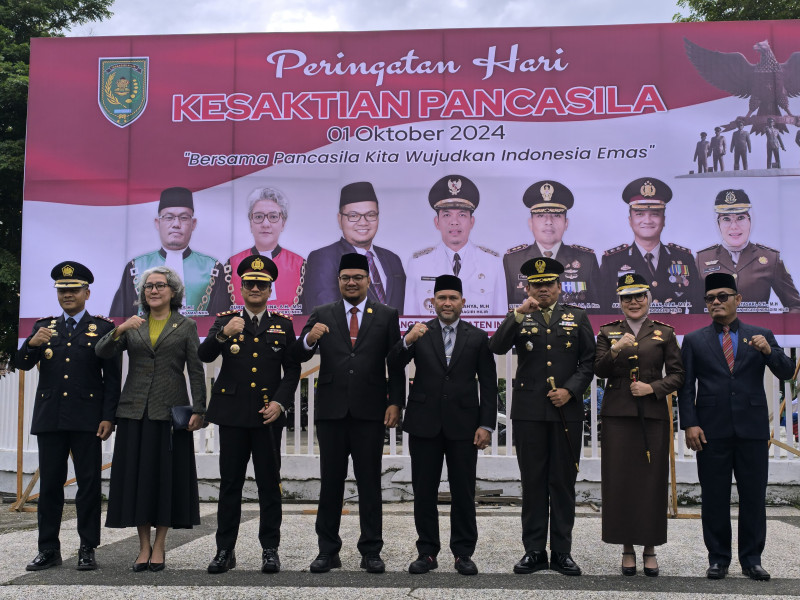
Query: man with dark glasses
x=725, y=413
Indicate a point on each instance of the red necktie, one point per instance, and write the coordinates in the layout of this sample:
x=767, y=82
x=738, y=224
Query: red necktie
x=353, y=325
x=727, y=346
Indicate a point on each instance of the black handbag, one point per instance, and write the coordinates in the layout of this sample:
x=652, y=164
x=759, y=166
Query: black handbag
x=179, y=417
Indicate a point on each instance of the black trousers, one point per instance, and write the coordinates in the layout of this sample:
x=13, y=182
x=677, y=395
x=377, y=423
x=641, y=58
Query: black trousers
x=363, y=440
x=548, y=482
x=427, y=455
x=236, y=446
x=748, y=462
x=54, y=449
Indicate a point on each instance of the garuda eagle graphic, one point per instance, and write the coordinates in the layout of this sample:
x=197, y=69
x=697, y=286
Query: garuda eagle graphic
x=769, y=84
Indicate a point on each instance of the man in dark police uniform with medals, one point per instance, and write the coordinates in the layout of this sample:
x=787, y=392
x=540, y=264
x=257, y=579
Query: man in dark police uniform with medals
x=549, y=202
x=76, y=402
x=555, y=348
x=669, y=268
x=247, y=403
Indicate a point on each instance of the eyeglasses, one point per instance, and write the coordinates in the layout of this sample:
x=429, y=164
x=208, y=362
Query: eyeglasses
x=726, y=220
x=640, y=297
x=356, y=278
x=169, y=218
x=160, y=286
x=272, y=217
x=722, y=297
x=251, y=284
x=355, y=217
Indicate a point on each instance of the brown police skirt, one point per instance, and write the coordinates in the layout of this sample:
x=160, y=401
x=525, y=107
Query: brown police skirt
x=634, y=491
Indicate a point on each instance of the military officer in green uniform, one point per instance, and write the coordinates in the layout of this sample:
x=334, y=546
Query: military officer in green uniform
x=200, y=273
x=670, y=269
x=256, y=382
x=549, y=202
x=757, y=268
x=555, y=349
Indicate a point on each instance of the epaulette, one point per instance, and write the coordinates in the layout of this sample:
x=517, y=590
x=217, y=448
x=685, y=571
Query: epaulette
x=612, y=323
x=104, y=318
x=714, y=247
x=280, y=314
x=423, y=252
x=616, y=250
x=572, y=306
x=228, y=312
x=677, y=247
x=662, y=323
x=50, y=318
x=488, y=251
x=517, y=248
x=763, y=247
x=584, y=248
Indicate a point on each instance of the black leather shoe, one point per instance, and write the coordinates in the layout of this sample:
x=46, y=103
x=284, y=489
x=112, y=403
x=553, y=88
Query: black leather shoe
x=650, y=571
x=86, y=560
x=44, y=560
x=156, y=567
x=629, y=571
x=423, y=564
x=756, y=572
x=532, y=562
x=563, y=563
x=270, y=561
x=717, y=571
x=224, y=561
x=373, y=564
x=465, y=566
x=325, y=562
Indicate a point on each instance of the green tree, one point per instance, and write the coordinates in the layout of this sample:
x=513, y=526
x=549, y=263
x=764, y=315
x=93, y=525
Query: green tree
x=21, y=20
x=737, y=10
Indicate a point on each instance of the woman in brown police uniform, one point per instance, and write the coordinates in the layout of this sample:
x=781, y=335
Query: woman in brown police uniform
x=632, y=354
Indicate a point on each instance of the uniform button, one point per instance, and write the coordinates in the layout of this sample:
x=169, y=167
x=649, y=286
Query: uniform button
x=549, y=364
x=549, y=346
x=351, y=371
x=222, y=390
x=635, y=343
x=67, y=360
x=255, y=339
x=69, y=343
x=352, y=355
x=254, y=369
x=447, y=378
x=91, y=395
x=66, y=376
x=255, y=354
x=89, y=344
x=266, y=397
x=548, y=331
x=253, y=384
x=521, y=385
x=65, y=393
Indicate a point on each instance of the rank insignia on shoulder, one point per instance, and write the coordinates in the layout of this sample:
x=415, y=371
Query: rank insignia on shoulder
x=612, y=323
x=488, y=250
x=423, y=252
x=100, y=317
x=615, y=250
x=763, y=247
x=678, y=247
x=662, y=324
x=228, y=312
x=517, y=248
x=584, y=248
x=280, y=314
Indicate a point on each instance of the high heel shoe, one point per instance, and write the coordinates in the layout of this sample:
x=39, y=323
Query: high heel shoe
x=139, y=567
x=629, y=571
x=647, y=570
x=155, y=567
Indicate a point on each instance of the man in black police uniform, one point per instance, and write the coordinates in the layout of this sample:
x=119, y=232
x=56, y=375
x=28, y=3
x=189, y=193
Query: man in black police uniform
x=555, y=341
x=670, y=269
x=447, y=417
x=549, y=202
x=247, y=403
x=76, y=402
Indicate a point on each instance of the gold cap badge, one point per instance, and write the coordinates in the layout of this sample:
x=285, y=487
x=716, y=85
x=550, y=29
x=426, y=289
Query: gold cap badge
x=546, y=191
x=67, y=270
x=628, y=279
x=257, y=264
x=648, y=189
x=730, y=198
x=454, y=186
x=540, y=266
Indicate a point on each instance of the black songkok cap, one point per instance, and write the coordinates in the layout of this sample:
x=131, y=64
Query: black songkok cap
x=448, y=282
x=176, y=197
x=353, y=260
x=715, y=281
x=360, y=191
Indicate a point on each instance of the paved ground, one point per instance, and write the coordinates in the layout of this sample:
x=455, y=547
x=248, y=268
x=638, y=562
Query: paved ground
x=682, y=562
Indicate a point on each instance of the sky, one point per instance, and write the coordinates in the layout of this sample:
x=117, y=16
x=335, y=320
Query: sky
x=155, y=17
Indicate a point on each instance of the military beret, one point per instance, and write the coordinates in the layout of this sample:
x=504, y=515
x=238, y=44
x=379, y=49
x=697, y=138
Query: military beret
x=548, y=197
x=647, y=193
x=541, y=270
x=69, y=274
x=257, y=268
x=454, y=192
x=360, y=191
x=631, y=283
x=176, y=197
x=714, y=281
x=448, y=282
x=732, y=202
x=353, y=260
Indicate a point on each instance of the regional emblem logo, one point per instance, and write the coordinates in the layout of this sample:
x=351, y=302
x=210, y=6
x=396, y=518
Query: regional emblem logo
x=123, y=84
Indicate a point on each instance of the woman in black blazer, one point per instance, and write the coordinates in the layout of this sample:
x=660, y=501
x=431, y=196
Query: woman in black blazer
x=154, y=479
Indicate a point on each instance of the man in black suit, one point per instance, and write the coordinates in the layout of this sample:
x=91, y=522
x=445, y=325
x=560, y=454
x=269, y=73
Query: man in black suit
x=446, y=417
x=358, y=219
x=555, y=349
x=354, y=404
x=248, y=402
x=726, y=418
x=76, y=402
